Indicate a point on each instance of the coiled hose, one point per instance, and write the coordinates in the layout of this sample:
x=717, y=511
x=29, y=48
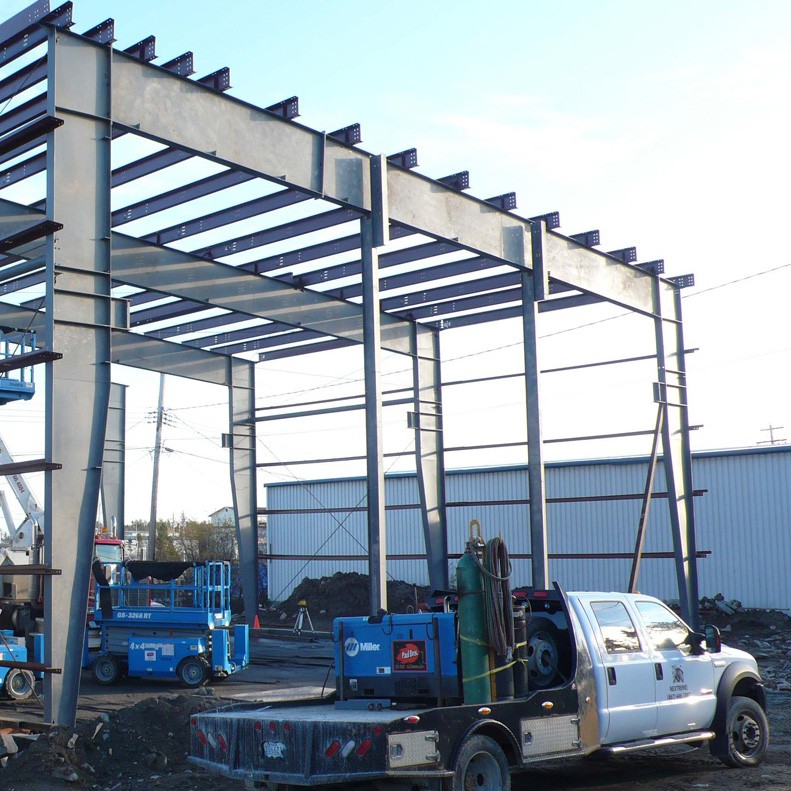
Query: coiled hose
x=496, y=568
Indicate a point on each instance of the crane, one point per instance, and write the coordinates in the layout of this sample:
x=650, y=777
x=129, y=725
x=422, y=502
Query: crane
x=9, y=520
x=28, y=532
x=20, y=596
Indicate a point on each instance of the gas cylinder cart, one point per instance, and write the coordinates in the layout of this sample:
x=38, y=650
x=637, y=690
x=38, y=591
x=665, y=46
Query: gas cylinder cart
x=168, y=621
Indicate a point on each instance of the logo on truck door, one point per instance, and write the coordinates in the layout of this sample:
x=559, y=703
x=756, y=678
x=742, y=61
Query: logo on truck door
x=409, y=655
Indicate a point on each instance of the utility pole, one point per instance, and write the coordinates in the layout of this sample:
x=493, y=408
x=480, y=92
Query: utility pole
x=152, y=524
x=772, y=439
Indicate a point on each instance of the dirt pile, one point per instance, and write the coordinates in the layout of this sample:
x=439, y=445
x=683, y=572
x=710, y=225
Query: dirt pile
x=346, y=593
x=144, y=746
x=766, y=634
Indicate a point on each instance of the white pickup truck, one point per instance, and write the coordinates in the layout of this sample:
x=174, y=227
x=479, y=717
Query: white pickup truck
x=607, y=673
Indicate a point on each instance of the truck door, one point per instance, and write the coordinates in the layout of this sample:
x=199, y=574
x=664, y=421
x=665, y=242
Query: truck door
x=629, y=673
x=684, y=680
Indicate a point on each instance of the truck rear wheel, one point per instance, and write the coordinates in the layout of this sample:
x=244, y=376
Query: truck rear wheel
x=106, y=670
x=748, y=733
x=193, y=672
x=19, y=684
x=480, y=764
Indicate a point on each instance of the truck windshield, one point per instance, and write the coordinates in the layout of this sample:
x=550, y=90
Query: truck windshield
x=109, y=553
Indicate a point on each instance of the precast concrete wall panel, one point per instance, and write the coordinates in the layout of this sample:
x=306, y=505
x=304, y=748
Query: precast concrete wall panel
x=742, y=513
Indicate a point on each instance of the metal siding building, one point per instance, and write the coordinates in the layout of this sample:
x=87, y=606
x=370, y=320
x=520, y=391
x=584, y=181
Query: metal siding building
x=742, y=512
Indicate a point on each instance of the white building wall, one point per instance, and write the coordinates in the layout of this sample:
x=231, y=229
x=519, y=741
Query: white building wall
x=743, y=521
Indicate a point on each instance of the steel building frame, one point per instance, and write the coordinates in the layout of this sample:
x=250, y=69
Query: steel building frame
x=110, y=296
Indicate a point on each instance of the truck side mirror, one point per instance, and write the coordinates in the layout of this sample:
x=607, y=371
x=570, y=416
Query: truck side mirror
x=695, y=641
x=713, y=639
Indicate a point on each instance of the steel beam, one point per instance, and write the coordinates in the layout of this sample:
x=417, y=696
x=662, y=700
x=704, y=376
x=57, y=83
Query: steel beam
x=276, y=334
x=14, y=317
x=200, y=325
x=151, y=354
x=676, y=454
x=221, y=286
x=264, y=336
x=417, y=252
x=78, y=320
x=114, y=462
x=23, y=79
x=292, y=351
x=175, y=197
x=310, y=224
x=281, y=262
x=429, y=452
x=241, y=417
x=162, y=106
x=155, y=103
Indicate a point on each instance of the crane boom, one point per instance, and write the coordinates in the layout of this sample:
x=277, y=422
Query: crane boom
x=9, y=520
x=25, y=535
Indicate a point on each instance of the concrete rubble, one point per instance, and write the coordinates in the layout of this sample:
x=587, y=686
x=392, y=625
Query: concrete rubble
x=766, y=634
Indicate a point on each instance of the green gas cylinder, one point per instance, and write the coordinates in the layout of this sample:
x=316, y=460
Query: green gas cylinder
x=473, y=635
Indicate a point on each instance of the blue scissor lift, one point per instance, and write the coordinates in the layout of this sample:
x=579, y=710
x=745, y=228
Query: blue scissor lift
x=17, y=357
x=167, y=620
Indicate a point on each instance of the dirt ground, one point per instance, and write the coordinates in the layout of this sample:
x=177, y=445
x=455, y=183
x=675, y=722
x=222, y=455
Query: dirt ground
x=137, y=737
x=144, y=746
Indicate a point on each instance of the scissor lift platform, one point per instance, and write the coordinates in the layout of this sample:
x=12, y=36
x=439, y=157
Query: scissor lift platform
x=167, y=620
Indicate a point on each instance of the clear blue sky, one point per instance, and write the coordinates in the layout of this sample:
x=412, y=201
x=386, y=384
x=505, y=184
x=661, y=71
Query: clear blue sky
x=665, y=125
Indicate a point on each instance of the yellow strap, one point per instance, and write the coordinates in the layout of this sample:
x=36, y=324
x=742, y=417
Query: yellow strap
x=473, y=640
x=486, y=645
x=488, y=673
x=497, y=669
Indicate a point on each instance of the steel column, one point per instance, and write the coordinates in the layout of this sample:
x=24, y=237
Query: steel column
x=429, y=452
x=114, y=461
x=375, y=484
x=535, y=468
x=78, y=321
x=241, y=417
x=676, y=454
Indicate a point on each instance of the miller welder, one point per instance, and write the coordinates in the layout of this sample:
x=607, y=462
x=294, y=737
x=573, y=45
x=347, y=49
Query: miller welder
x=385, y=659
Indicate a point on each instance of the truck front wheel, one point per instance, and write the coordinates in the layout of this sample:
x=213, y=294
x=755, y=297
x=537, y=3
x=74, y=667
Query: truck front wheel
x=747, y=732
x=480, y=764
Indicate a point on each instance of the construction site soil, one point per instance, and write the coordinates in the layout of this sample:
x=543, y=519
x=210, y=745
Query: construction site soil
x=145, y=745
x=344, y=593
